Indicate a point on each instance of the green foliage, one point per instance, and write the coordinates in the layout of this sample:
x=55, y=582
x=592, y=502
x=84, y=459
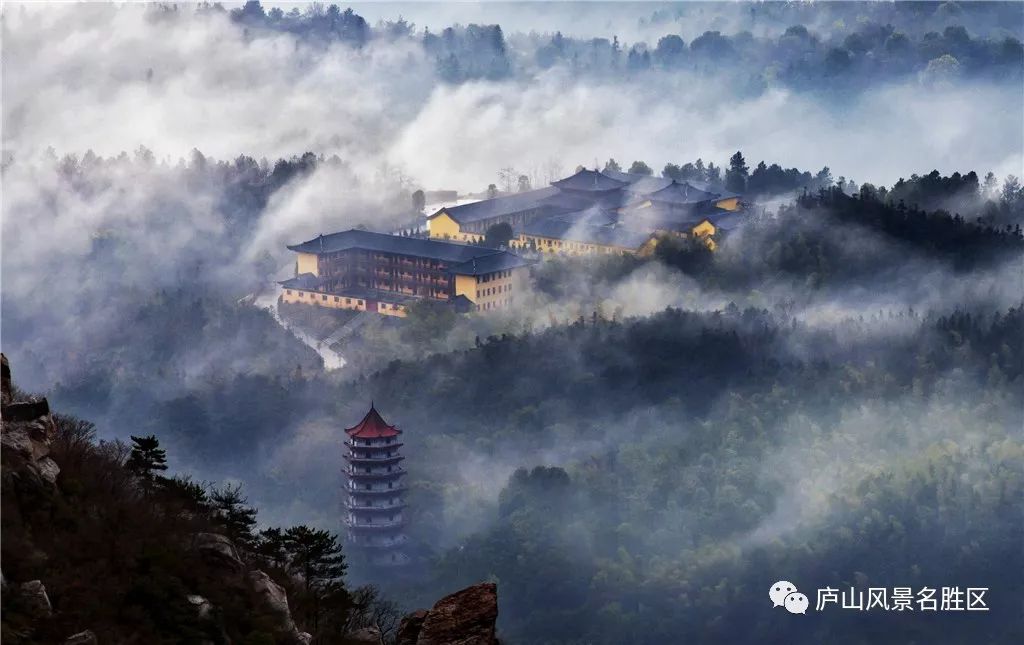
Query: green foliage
x=498, y=235
x=116, y=556
x=147, y=458
x=230, y=510
x=640, y=168
x=427, y=322
x=316, y=557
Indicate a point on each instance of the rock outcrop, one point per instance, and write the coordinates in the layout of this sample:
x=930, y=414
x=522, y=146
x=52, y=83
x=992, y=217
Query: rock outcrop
x=465, y=617
x=27, y=432
x=409, y=628
x=275, y=600
x=33, y=596
x=218, y=551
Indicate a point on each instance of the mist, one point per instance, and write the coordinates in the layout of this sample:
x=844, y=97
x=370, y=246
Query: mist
x=705, y=408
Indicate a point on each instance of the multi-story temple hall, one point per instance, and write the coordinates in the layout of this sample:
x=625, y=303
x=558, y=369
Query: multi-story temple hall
x=374, y=490
x=385, y=273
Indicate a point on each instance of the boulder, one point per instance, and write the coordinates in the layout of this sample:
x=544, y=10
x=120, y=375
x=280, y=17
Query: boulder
x=275, y=600
x=409, y=628
x=82, y=638
x=218, y=550
x=48, y=469
x=33, y=595
x=273, y=595
x=465, y=617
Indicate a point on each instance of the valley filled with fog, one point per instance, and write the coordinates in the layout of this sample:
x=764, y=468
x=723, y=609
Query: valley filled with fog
x=641, y=446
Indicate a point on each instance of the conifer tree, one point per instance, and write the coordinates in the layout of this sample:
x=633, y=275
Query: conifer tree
x=238, y=519
x=147, y=459
x=316, y=555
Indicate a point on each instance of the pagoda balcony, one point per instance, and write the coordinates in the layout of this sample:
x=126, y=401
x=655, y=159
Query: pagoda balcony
x=398, y=540
x=374, y=446
x=375, y=526
x=367, y=459
x=353, y=472
x=390, y=507
x=376, y=491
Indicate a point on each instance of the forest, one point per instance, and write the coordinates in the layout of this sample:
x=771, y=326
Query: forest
x=875, y=44
x=671, y=489
x=635, y=453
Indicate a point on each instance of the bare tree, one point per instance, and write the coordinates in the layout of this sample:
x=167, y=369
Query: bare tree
x=508, y=176
x=552, y=170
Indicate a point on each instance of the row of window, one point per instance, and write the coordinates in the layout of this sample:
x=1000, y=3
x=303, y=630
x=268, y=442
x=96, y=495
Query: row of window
x=487, y=306
x=323, y=297
x=352, y=486
x=494, y=276
x=542, y=242
x=374, y=442
x=367, y=470
x=369, y=519
x=372, y=504
x=490, y=291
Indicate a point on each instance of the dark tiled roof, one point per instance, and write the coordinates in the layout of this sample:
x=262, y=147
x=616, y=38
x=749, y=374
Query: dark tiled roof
x=590, y=181
x=497, y=207
x=648, y=185
x=707, y=187
x=563, y=229
x=458, y=254
x=618, y=175
x=419, y=247
x=566, y=202
x=681, y=193
x=727, y=220
x=462, y=304
x=301, y=281
x=681, y=223
x=635, y=179
x=594, y=216
x=499, y=261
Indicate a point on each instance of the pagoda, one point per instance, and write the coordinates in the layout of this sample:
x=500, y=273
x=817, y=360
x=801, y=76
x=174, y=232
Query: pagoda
x=374, y=490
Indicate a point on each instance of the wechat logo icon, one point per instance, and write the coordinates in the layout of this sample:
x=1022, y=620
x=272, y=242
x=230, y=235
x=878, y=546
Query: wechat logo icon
x=784, y=594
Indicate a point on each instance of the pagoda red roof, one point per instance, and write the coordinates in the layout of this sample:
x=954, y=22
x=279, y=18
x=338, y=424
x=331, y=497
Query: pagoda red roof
x=372, y=426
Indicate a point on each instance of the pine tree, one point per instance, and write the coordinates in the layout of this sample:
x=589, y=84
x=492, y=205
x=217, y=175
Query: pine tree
x=270, y=545
x=316, y=555
x=736, y=175
x=147, y=459
x=232, y=511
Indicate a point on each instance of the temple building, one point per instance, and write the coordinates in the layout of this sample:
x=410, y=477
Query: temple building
x=469, y=222
x=386, y=273
x=635, y=210
x=589, y=232
x=374, y=492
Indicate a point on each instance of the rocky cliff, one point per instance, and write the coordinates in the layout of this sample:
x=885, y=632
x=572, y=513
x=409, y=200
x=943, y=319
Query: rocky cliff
x=466, y=617
x=27, y=433
x=94, y=554
x=90, y=557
